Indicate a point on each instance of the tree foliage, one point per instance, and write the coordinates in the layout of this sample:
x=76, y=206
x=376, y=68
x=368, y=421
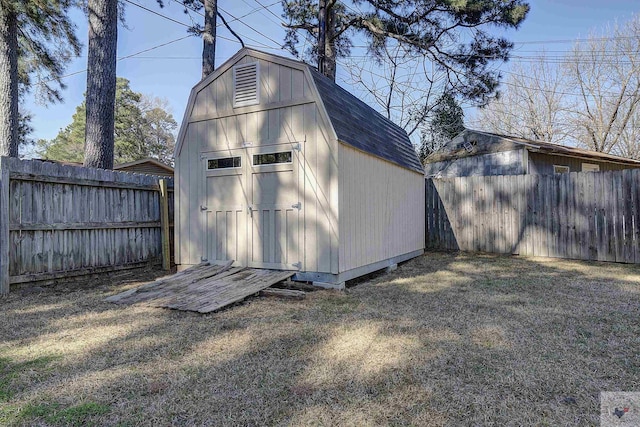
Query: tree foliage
x=143, y=128
x=453, y=34
x=533, y=104
x=605, y=73
x=589, y=97
x=447, y=121
x=36, y=42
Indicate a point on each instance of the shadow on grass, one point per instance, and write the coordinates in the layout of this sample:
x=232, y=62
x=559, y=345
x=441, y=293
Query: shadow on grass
x=447, y=339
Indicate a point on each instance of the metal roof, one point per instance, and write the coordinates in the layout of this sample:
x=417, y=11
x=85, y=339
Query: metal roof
x=553, y=148
x=362, y=127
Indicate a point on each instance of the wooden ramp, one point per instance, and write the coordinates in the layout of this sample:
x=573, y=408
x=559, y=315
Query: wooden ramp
x=203, y=288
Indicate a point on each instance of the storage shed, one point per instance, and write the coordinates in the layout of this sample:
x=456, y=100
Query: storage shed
x=479, y=153
x=278, y=167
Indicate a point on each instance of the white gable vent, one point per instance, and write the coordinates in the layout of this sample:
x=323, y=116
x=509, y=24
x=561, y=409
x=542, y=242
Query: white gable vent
x=245, y=84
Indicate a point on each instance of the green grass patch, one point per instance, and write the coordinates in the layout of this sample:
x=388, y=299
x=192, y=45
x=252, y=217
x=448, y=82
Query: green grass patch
x=56, y=414
x=10, y=371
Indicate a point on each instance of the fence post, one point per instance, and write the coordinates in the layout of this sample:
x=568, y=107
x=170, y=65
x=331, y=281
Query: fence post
x=4, y=225
x=164, y=224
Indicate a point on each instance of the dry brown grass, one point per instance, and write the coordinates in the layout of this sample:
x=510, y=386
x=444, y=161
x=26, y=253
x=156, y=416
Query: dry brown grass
x=445, y=340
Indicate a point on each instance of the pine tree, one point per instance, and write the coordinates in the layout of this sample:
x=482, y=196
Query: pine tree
x=447, y=121
x=101, y=83
x=424, y=27
x=36, y=37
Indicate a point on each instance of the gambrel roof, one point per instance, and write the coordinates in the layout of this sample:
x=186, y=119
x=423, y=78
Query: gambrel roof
x=354, y=122
x=362, y=127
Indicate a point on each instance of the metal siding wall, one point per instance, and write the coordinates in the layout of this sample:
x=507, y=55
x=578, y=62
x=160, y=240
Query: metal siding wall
x=382, y=209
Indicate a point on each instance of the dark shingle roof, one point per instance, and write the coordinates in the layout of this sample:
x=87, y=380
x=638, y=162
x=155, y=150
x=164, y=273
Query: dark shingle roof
x=364, y=128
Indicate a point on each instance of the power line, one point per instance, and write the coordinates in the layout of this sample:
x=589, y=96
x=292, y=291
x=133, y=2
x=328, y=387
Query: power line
x=158, y=14
x=118, y=59
x=250, y=27
x=262, y=6
x=258, y=43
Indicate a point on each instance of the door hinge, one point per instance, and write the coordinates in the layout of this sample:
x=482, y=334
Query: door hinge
x=297, y=206
x=297, y=265
x=203, y=208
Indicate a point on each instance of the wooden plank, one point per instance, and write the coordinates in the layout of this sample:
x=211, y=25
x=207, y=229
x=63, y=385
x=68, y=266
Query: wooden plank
x=46, y=276
x=4, y=225
x=562, y=214
x=528, y=215
x=503, y=216
x=599, y=221
x=635, y=178
x=627, y=220
x=490, y=219
x=193, y=291
x=570, y=216
x=543, y=204
x=517, y=193
x=283, y=293
x=86, y=226
x=610, y=211
x=164, y=221
x=86, y=182
x=617, y=208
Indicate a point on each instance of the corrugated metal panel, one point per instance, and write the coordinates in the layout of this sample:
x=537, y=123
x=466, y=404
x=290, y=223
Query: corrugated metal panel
x=381, y=209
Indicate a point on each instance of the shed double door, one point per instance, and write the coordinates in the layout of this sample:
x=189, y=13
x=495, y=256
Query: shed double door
x=252, y=206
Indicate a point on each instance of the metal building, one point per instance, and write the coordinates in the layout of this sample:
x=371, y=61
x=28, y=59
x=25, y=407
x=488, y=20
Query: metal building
x=278, y=167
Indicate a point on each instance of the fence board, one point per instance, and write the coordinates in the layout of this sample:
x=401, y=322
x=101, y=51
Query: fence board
x=58, y=221
x=5, y=261
x=591, y=216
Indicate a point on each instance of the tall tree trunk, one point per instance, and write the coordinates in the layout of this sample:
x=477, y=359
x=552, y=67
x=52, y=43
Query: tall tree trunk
x=326, y=39
x=101, y=83
x=322, y=34
x=209, y=37
x=8, y=83
x=330, y=46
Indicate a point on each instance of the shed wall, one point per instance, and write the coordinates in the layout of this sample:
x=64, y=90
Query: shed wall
x=500, y=163
x=288, y=113
x=542, y=164
x=382, y=210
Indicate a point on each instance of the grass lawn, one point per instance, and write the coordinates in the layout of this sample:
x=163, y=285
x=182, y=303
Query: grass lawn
x=447, y=339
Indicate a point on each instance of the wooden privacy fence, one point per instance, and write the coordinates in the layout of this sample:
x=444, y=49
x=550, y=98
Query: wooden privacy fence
x=589, y=216
x=60, y=221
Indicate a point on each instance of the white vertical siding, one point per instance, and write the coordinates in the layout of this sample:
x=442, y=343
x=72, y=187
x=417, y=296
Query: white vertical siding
x=218, y=129
x=381, y=209
x=188, y=197
x=319, y=205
